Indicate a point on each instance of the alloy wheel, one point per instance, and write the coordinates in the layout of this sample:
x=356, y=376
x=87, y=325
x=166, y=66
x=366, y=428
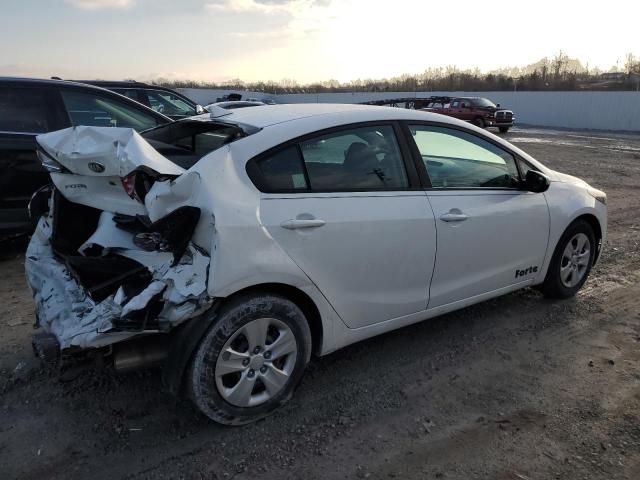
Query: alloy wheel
x=256, y=362
x=575, y=260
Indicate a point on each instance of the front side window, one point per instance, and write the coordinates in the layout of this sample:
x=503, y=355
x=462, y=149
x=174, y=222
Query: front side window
x=169, y=104
x=358, y=158
x=100, y=111
x=456, y=159
x=23, y=110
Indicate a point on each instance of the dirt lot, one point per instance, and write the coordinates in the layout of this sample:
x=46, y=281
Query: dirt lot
x=512, y=389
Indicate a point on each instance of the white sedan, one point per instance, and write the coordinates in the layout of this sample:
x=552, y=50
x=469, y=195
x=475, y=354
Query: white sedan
x=296, y=230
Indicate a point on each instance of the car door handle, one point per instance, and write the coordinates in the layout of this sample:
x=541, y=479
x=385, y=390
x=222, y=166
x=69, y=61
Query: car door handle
x=453, y=217
x=302, y=223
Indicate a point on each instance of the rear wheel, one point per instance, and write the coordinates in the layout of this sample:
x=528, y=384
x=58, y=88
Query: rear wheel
x=503, y=129
x=478, y=122
x=251, y=360
x=571, y=261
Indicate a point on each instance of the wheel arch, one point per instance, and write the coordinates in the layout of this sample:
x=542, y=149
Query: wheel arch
x=297, y=296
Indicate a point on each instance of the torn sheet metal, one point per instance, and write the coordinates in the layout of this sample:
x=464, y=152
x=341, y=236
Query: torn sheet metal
x=166, y=196
x=64, y=308
x=104, y=151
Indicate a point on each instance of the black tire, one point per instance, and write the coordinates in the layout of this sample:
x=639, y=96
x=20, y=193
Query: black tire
x=239, y=312
x=503, y=129
x=553, y=286
x=478, y=122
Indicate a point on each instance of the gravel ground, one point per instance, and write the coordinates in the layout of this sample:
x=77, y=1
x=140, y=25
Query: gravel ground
x=515, y=388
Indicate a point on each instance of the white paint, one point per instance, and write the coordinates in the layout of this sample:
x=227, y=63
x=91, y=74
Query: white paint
x=341, y=264
x=108, y=236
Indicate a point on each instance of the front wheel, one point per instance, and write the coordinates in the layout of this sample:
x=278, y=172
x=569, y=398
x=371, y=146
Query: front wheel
x=251, y=360
x=503, y=129
x=478, y=122
x=571, y=261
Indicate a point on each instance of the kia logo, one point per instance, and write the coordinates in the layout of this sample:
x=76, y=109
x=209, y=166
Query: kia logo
x=96, y=167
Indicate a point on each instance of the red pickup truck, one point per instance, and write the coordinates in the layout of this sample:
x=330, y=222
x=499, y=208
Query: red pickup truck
x=479, y=111
x=482, y=112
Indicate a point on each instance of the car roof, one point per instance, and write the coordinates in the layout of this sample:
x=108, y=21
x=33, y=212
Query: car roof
x=99, y=85
x=268, y=115
x=68, y=83
x=44, y=81
x=118, y=83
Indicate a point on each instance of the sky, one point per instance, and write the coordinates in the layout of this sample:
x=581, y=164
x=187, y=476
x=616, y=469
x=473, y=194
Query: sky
x=304, y=40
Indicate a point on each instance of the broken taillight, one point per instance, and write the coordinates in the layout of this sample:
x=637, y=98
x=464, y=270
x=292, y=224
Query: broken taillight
x=129, y=184
x=138, y=183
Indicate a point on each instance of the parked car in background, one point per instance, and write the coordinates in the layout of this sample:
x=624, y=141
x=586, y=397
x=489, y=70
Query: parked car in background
x=316, y=226
x=161, y=99
x=231, y=105
x=29, y=107
x=482, y=112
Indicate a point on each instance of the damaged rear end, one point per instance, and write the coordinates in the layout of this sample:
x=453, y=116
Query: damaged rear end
x=112, y=258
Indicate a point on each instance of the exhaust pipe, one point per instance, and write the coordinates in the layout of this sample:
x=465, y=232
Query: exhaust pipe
x=46, y=347
x=133, y=355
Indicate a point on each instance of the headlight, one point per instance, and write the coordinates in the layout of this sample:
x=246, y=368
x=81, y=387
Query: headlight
x=599, y=195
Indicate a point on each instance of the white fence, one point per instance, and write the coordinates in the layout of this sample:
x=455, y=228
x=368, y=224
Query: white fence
x=580, y=110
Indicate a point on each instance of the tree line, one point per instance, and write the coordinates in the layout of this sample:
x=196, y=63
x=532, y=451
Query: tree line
x=557, y=73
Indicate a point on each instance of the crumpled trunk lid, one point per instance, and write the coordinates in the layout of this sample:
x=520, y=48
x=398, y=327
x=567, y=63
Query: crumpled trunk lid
x=104, y=151
x=93, y=161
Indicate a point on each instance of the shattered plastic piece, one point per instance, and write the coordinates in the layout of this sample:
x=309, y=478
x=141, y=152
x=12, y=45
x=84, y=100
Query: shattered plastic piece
x=65, y=309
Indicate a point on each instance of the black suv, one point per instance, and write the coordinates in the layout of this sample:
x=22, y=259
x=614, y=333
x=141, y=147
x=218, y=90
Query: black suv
x=161, y=99
x=29, y=107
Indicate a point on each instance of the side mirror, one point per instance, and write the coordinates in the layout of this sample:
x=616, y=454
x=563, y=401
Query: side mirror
x=200, y=109
x=497, y=105
x=536, y=182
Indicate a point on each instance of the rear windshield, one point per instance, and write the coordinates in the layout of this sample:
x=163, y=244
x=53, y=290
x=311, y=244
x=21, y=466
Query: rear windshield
x=187, y=141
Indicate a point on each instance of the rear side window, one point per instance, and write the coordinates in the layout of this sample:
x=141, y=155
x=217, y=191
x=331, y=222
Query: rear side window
x=23, y=110
x=100, y=111
x=356, y=159
x=282, y=171
x=360, y=158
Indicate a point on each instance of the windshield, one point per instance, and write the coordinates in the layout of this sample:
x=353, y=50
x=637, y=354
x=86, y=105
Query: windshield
x=483, y=102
